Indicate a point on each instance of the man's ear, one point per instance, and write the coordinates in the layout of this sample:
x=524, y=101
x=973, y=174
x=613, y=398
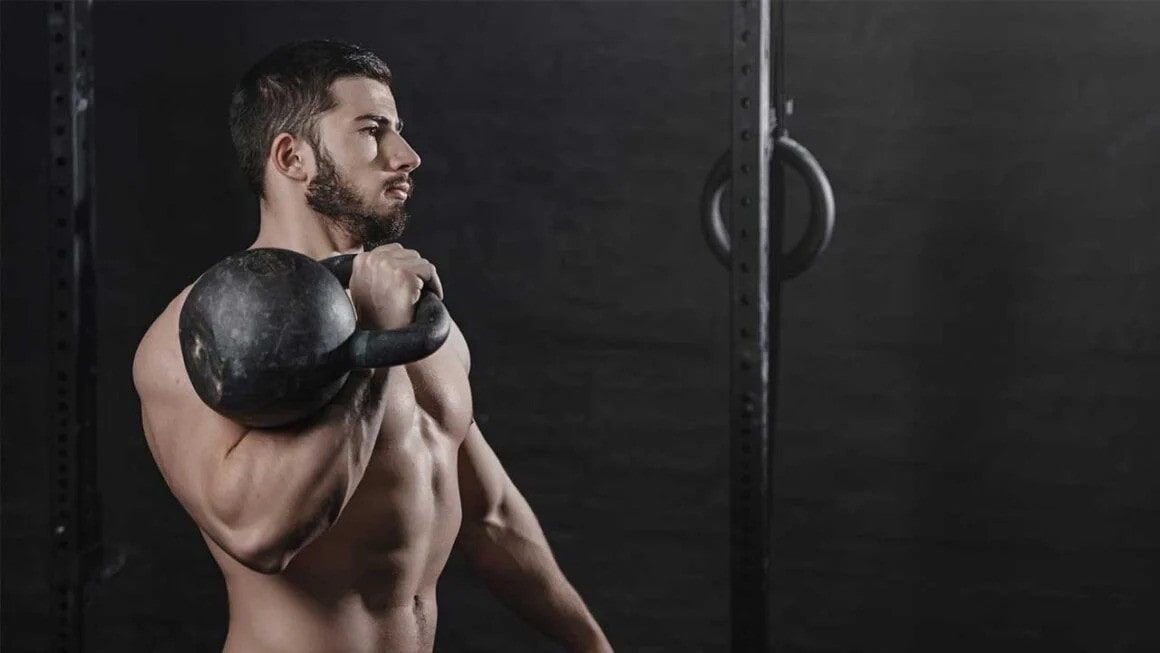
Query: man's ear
x=291, y=157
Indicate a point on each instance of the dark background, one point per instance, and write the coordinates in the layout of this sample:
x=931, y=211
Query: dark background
x=967, y=443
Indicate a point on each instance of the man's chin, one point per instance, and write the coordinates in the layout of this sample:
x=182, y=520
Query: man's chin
x=381, y=232
x=370, y=231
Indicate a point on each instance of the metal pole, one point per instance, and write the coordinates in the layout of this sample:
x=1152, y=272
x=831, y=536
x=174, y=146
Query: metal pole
x=750, y=295
x=75, y=504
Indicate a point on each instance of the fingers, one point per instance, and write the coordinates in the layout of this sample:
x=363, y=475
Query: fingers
x=426, y=271
x=432, y=281
x=411, y=261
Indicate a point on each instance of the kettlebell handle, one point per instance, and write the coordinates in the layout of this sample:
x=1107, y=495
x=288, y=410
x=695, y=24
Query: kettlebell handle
x=368, y=349
x=341, y=266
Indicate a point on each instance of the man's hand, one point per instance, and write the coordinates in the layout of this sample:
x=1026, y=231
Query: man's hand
x=385, y=284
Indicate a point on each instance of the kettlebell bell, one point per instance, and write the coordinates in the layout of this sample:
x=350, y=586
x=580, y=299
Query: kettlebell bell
x=269, y=335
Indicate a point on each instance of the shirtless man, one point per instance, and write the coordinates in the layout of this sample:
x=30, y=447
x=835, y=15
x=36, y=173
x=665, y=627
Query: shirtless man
x=331, y=534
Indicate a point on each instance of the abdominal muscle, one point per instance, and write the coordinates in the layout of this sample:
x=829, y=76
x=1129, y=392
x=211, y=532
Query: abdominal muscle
x=368, y=583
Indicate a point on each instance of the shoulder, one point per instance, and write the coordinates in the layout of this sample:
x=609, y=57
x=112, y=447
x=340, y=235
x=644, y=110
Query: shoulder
x=158, y=355
x=458, y=343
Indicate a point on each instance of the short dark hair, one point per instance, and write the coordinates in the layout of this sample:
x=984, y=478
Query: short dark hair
x=285, y=91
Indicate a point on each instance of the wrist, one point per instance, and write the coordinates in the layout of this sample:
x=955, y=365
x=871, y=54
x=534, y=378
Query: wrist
x=384, y=322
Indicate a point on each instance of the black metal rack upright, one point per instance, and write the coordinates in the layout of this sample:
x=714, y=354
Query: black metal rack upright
x=751, y=245
x=75, y=517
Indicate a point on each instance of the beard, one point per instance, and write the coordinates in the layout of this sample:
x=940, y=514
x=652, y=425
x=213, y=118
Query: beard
x=340, y=205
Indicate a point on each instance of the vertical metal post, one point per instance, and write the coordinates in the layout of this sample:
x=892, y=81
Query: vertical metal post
x=750, y=281
x=75, y=507
x=752, y=248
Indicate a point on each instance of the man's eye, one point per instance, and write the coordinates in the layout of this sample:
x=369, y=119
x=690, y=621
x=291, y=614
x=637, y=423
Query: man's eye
x=373, y=131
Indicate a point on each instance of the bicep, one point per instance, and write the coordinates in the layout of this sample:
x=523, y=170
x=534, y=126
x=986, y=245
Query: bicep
x=188, y=440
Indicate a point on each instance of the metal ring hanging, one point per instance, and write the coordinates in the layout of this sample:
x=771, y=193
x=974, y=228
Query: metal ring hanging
x=822, y=209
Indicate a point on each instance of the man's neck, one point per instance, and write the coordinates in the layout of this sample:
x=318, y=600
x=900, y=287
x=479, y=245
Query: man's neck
x=303, y=231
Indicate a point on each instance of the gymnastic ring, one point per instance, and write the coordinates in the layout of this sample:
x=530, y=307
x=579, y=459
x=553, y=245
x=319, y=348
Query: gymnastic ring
x=822, y=208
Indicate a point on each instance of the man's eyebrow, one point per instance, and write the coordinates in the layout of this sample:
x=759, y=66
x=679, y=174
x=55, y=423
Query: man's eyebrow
x=382, y=120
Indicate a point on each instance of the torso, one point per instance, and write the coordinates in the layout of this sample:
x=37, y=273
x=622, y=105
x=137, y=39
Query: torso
x=368, y=583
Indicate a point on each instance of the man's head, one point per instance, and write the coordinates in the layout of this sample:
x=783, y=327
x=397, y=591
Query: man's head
x=319, y=117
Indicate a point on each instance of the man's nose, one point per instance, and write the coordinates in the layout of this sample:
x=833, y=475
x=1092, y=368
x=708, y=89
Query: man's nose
x=402, y=156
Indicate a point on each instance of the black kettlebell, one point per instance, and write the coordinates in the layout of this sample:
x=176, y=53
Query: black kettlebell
x=268, y=335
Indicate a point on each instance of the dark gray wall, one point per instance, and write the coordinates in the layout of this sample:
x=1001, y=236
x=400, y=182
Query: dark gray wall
x=25, y=346
x=966, y=444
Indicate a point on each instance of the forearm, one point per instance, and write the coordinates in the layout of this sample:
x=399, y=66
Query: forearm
x=510, y=553
x=289, y=485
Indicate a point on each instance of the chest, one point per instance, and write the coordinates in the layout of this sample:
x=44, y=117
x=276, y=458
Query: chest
x=405, y=513
x=410, y=487
x=429, y=401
